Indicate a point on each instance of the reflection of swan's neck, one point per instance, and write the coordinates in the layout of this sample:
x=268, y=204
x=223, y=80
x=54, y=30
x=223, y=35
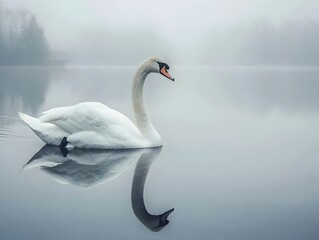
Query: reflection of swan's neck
x=143, y=123
x=152, y=222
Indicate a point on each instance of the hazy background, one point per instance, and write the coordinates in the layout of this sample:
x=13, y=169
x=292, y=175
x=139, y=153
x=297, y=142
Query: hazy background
x=240, y=132
x=201, y=32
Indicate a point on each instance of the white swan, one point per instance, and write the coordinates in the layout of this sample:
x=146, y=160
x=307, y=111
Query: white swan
x=94, y=125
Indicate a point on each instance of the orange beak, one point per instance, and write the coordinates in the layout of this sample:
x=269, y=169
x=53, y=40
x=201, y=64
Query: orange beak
x=166, y=73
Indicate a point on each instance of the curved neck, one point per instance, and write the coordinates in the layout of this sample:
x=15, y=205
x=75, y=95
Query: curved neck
x=143, y=123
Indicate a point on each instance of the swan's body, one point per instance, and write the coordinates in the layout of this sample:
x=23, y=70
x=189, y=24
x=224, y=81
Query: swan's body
x=94, y=125
x=87, y=125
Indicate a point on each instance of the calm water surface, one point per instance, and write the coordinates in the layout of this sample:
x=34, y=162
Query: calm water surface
x=239, y=161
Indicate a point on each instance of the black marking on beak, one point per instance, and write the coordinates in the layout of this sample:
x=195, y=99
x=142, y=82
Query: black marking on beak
x=161, y=65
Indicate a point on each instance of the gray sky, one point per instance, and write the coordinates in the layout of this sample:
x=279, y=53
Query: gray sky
x=64, y=19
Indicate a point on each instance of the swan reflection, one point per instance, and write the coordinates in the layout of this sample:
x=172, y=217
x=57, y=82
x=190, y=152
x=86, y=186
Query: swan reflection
x=154, y=223
x=90, y=167
x=83, y=167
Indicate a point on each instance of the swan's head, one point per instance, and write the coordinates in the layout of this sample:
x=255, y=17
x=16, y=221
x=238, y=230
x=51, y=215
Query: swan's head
x=158, y=65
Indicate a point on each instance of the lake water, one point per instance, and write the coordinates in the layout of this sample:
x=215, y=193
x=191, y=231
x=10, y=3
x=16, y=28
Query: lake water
x=239, y=157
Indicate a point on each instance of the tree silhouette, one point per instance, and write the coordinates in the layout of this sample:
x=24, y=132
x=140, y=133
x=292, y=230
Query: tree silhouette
x=2, y=47
x=22, y=40
x=32, y=44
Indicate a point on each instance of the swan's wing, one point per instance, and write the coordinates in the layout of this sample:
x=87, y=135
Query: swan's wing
x=89, y=116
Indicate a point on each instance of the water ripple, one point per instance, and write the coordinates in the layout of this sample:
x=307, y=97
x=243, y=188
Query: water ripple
x=13, y=130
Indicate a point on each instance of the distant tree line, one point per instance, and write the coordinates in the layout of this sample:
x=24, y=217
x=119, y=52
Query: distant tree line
x=263, y=43
x=256, y=43
x=22, y=40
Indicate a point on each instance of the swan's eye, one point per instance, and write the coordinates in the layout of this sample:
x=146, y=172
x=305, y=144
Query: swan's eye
x=161, y=65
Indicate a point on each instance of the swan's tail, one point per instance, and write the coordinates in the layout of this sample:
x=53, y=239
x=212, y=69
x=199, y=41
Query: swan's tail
x=32, y=122
x=48, y=132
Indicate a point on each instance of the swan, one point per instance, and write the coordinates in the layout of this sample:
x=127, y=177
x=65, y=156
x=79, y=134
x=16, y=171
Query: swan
x=94, y=125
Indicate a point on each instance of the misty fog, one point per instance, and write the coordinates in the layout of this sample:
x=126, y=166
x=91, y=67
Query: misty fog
x=192, y=32
x=239, y=126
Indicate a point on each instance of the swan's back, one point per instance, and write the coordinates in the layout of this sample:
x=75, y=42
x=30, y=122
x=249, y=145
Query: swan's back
x=88, y=116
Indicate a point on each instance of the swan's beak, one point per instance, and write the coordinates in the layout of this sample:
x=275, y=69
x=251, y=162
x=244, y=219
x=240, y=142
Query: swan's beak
x=166, y=73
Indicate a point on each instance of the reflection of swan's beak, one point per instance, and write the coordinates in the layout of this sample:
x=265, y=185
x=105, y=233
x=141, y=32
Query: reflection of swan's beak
x=164, y=216
x=165, y=73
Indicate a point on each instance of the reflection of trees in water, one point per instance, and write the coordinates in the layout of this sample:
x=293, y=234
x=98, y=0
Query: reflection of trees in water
x=22, y=89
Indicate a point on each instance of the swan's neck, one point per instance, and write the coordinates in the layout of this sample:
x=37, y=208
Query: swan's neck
x=142, y=120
